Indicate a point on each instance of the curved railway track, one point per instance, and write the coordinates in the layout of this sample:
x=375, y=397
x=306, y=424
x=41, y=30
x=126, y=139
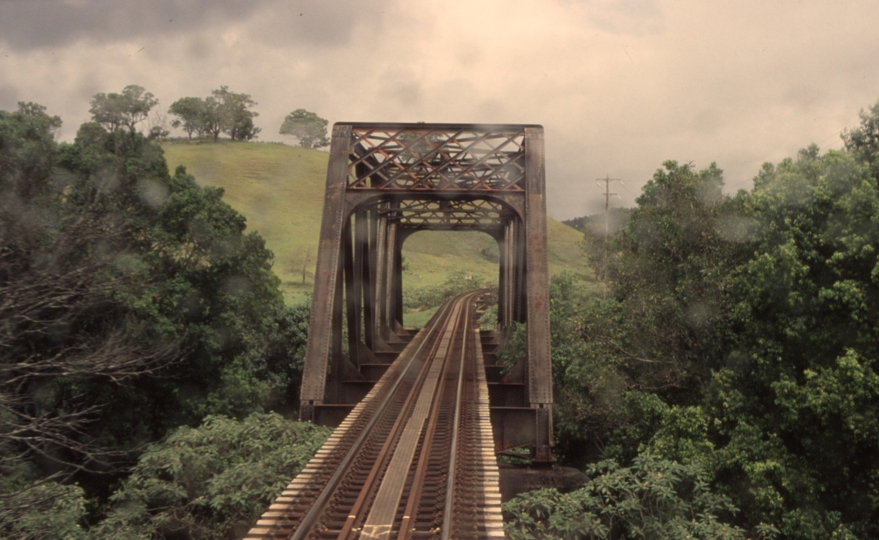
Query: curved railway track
x=414, y=459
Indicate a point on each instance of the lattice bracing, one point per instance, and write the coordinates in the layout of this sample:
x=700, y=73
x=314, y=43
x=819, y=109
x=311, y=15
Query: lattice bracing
x=480, y=214
x=424, y=159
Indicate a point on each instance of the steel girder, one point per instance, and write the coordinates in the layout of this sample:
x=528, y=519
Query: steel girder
x=387, y=181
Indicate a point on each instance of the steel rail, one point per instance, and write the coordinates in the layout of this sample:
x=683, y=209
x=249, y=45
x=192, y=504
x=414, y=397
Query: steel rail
x=410, y=460
x=409, y=513
x=310, y=518
x=401, y=425
x=381, y=518
x=450, y=483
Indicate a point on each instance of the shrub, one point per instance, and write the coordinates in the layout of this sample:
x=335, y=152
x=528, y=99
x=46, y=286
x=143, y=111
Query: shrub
x=652, y=499
x=212, y=481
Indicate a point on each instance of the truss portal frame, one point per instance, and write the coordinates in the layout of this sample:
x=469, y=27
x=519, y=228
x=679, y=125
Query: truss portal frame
x=387, y=181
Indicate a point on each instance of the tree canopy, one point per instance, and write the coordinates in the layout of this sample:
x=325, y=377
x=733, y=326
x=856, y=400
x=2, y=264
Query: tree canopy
x=223, y=111
x=234, y=115
x=192, y=115
x=133, y=301
x=651, y=499
x=115, y=111
x=736, y=334
x=308, y=127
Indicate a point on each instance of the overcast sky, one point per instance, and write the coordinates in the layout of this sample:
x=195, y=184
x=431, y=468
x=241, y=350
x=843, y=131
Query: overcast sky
x=620, y=86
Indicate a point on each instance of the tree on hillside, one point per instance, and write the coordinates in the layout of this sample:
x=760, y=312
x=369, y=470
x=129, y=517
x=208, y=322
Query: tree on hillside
x=115, y=111
x=223, y=111
x=308, y=127
x=233, y=114
x=157, y=125
x=191, y=113
x=301, y=260
x=212, y=123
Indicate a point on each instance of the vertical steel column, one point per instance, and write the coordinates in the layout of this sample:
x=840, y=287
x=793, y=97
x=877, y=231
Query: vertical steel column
x=362, y=258
x=502, y=282
x=337, y=356
x=380, y=280
x=513, y=284
x=508, y=273
x=398, y=283
x=371, y=318
x=353, y=293
x=521, y=290
x=537, y=286
x=388, y=296
x=327, y=274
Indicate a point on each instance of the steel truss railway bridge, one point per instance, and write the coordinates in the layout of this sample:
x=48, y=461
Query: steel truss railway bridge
x=420, y=418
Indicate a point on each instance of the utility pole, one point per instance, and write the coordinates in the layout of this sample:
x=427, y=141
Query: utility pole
x=607, y=180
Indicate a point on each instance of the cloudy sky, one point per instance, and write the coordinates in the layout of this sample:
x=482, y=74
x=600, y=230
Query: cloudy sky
x=620, y=86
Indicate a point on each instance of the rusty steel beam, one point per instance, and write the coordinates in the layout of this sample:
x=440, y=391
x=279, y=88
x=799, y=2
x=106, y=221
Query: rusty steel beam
x=326, y=275
x=387, y=181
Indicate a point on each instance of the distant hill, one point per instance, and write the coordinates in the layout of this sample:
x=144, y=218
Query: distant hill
x=280, y=190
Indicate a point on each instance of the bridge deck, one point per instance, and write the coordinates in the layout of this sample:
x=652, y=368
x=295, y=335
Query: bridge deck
x=414, y=459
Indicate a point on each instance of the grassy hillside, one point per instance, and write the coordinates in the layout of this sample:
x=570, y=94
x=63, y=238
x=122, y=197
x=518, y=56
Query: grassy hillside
x=280, y=190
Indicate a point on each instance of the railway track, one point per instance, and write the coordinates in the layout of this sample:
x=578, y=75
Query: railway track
x=414, y=459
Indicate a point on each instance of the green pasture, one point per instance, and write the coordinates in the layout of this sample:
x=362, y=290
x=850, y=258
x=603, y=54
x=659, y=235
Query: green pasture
x=280, y=190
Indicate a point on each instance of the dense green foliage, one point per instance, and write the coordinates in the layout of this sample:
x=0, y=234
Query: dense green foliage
x=798, y=390
x=198, y=278
x=49, y=510
x=133, y=302
x=737, y=335
x=653, y=499
x=207, y=482
x=210, y=482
